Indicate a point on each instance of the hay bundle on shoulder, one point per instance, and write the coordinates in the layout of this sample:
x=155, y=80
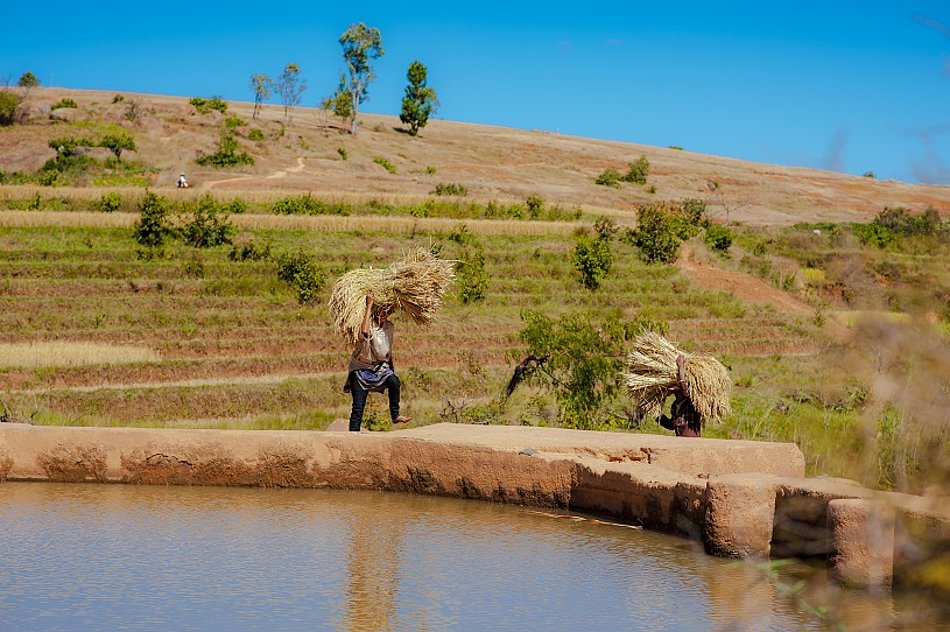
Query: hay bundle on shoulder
x=651, y=372
x=415, y=285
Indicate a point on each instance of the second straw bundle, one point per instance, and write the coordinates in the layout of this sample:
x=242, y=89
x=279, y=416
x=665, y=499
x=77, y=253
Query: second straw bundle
x=651, y=372
x=415, y=285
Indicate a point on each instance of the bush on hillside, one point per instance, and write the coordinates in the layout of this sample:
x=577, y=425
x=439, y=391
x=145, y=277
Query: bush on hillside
x=657, y=235
x=8, y=104
x=593, y=258
x=470, y=275
x=208, y=225
x=64, y=103
x=203, y=105
x=110, y=202
x=153, y=226
x=719, y=238
x=255, y=135
x=300, y=272
x=637, y=171
x=308, y=205
x=227, y=154
x=609, y=178
x=450, y=188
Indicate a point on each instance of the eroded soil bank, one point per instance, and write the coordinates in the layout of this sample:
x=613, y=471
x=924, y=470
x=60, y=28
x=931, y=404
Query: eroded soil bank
x=739, y=498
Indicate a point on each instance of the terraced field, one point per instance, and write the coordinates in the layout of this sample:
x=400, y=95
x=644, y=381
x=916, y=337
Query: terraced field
x=236, y=347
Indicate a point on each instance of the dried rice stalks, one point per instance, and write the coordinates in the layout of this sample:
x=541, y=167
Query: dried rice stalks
x=415, y=285
x=651, y=372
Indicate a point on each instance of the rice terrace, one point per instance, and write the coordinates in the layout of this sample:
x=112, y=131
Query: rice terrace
x=128, y=302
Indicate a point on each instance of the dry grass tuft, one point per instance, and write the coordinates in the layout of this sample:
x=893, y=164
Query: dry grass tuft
x=63, y=353
x=415, y=285
x=651, y=372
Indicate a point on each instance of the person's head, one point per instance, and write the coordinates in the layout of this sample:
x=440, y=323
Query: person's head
x=382, y=314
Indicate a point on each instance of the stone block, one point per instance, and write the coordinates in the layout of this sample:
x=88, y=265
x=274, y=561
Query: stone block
x=862, y=533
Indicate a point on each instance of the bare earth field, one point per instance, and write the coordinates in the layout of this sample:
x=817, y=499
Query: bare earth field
x=491, y=162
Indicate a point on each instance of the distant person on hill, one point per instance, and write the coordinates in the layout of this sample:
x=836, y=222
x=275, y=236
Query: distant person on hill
x=371, y=366
x=684, y=419
x=183, y=182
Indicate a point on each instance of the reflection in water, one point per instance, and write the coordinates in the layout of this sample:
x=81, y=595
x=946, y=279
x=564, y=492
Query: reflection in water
x=97, y=557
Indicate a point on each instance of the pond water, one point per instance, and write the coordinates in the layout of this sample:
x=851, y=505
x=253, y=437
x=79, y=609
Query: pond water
x=111, y=557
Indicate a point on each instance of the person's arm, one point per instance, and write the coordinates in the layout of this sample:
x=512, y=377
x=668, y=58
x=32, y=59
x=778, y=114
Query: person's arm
x=364, y=328
x=681, y=374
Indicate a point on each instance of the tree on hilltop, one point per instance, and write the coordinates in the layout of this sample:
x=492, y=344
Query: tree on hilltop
x=361, y=44
x=263, y=87
x=28, y=80
x=290, y=87
x=420, y=100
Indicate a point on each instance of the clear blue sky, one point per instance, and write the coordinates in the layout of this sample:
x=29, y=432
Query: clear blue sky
x=842, y=85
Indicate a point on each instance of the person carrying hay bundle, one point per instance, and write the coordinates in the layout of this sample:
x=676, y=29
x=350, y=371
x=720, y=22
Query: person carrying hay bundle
x=371, y=366
x=362, y=301
x=699, y=384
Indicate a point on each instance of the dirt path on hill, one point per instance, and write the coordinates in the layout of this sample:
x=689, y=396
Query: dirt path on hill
x=750, y=289
x=744, y=286
x=209, y=184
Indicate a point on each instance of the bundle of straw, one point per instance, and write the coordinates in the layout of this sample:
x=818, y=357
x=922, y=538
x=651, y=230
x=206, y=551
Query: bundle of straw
x=415, y=285
x=651, y=371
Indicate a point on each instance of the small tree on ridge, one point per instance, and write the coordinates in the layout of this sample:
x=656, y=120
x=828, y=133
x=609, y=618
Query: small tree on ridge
x=420, y=100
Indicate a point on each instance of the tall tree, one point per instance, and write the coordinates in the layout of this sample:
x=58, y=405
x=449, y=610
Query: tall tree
x=361, y=44
x=290, y=86
x=263, y=87
x=420, y=99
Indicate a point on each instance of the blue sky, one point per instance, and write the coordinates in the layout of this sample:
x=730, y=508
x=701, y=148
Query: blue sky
x=841, y=85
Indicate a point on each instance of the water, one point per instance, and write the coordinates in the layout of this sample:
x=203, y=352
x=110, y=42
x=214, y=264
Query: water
x=111, y=557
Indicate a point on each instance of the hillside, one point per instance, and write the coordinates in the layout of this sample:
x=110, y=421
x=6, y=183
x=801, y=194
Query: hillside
x=493, y=163
x=835, y=336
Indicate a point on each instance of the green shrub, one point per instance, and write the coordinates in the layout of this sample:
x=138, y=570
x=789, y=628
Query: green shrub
x=430, y=170
x=255, y=135
x=118, y=142
x=110, y=202
x=719, y=238
x=234, y=121
x=300, y=271
x=609, y=178
x=637, y=171
x=582, y=363
x=308, y=205
x=462, y=236
x=227, y=154
x=8, y=104
x=343, y=153
x=657, y=234
x=642, y=323
x=593, y=258
x=250, y=250
x=236, y=206
x=385, y=164
x=153, y=226
x=64, y=103
x=118, y=98
x=208, y=226
x=470, y=275
x=535, y=204
x=450, y=188
x=206, y=105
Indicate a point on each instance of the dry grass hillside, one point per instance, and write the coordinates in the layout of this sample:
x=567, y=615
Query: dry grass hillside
x=493, y=163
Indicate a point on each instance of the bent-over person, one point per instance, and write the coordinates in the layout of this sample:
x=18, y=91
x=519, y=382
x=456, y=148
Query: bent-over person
x=371, y=366
x=684, y=419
